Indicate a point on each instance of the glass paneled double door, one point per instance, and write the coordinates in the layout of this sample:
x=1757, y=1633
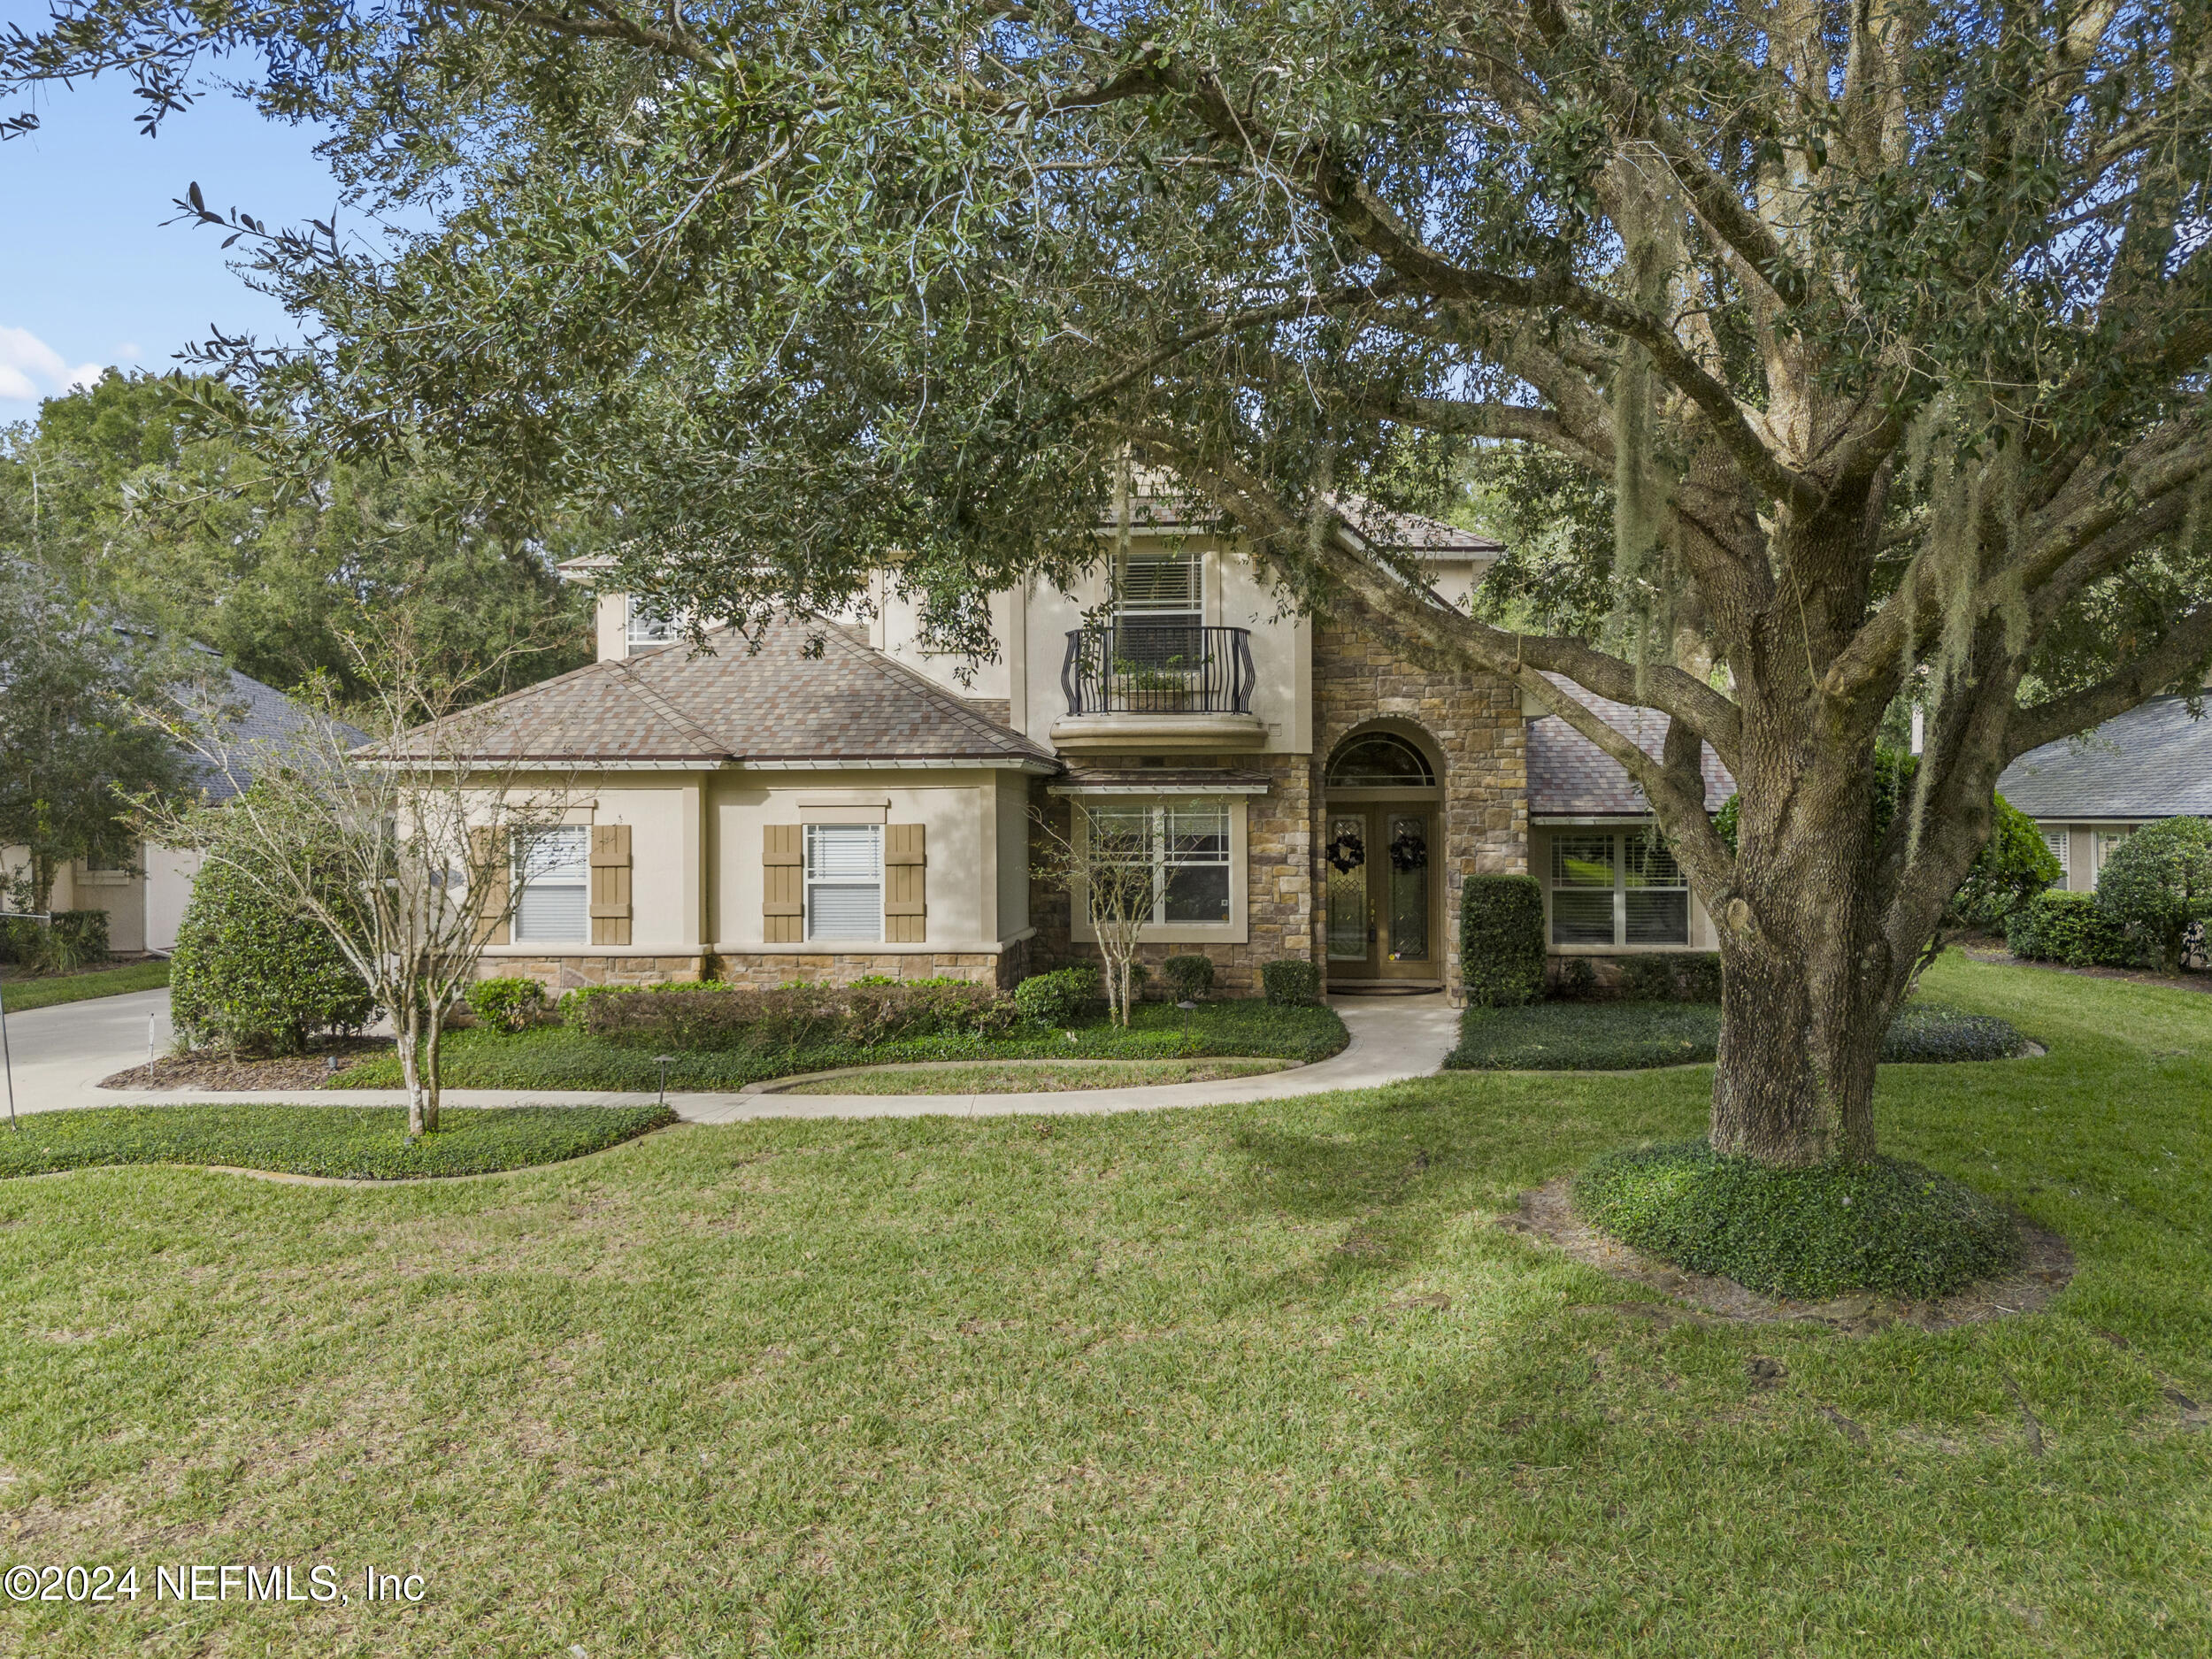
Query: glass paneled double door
x=1381, y=865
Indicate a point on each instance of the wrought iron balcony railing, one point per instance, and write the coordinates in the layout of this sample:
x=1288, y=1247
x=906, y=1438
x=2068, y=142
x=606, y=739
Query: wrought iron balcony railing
x=1138, y=666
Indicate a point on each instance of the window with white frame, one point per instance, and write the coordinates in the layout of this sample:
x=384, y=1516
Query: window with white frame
x=1617, y=887
x=844, y=881
x=648, y=625
x=1159, y=607
x=2101, y=846
x=2058, y=841
x=1186, y=845
x=554, y=867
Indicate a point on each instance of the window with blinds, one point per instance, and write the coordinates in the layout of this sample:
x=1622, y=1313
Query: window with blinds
x=844, y=881
x=1159, y=584
x=1187, y=847
x=554, y=865
x=2058, y=841
x=1617, y=887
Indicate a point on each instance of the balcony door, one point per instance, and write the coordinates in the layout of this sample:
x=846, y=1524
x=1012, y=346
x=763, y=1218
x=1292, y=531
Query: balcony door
x=1382, y=858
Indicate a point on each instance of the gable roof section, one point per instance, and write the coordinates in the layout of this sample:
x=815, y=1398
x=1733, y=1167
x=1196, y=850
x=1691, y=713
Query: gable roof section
x=2153, y=762
x=1569, y=776
x=667, y=708
x=245, y=721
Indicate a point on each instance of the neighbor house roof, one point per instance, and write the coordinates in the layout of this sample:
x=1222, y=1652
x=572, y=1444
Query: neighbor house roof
x=246, y=720
x=1569, y=776
x=1404, y=531
x=808, y=694
x=2153, y=762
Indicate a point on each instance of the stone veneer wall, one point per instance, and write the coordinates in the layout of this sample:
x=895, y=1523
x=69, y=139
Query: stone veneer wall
x=1474, y=722
x=764, y=969
x=1279, y=831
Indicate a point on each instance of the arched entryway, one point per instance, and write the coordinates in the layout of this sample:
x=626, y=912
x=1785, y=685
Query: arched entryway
x=1382, y=848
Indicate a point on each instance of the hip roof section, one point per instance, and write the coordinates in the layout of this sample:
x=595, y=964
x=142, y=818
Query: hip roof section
x=2153, y=762
x=1569, y=776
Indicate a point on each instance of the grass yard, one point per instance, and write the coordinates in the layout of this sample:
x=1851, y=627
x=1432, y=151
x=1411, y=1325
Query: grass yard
x=351, y=1142
x=1020, y=1077
x=1245, y=1381
x=22, y=995
x=1634, y=1036
x=555, y=1057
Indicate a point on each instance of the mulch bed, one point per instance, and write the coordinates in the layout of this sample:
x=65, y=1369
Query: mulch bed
x=226, y=1072
x=1544, y=1214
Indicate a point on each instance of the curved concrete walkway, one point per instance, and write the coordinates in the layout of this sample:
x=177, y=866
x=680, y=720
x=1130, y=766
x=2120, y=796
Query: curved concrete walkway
x=62, y=1052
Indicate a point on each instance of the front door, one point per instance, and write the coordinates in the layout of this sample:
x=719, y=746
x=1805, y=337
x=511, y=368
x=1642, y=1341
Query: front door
x=1381, y=893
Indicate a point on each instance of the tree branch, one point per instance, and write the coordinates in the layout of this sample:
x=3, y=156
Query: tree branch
x=2183, y=648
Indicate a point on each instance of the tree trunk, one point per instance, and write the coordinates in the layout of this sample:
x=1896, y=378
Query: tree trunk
x=430, y=1080
x=410, y=1071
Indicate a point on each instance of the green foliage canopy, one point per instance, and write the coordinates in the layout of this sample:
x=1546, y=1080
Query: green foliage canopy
x=2158, y=882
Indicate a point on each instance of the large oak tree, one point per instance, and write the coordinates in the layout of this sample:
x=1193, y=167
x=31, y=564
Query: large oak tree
x=1884, y=324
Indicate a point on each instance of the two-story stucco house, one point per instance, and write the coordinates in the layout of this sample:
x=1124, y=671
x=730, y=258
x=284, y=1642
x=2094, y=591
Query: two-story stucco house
x=793, y=812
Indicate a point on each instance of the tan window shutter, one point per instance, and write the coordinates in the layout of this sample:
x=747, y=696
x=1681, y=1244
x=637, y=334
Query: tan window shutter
x=905, y=884
x=491, y=907
x=783, y=883
x=611, y=884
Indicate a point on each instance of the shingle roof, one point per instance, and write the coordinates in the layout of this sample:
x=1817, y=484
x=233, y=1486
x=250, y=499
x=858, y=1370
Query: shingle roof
x=1162, y=780
x=1406, y=531
x=1569, y=776
x=777, y=703
x=243, y=718
x=2153, y=762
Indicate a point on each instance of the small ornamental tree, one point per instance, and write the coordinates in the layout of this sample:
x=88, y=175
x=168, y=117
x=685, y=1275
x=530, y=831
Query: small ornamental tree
x=1108, y=862
x=251, y=976
x=2158, y=881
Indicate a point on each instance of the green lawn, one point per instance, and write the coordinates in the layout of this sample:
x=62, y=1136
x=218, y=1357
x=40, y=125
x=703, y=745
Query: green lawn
x=1248, y=1380
x=1632, y=1036
x=987, y=1077
x=351, y=1142
x=22, y=995
x=555, y=1057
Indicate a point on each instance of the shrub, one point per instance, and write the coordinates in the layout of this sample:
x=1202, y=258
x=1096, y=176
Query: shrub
x=1578, y=980
x=717, y=1016
x=1882, y=1224
x=2070, y=928
x=2009, y=870
x=1670, y=976
x=1501, y=940
x=1647, y=978
x=1291, y=982
x=2158, y=882
x=1189, y=978
x=1059, y=998
x=1623, y=1036
x=249, y=976
x=72, y=940
x=1140, y=976
x=510, y=1003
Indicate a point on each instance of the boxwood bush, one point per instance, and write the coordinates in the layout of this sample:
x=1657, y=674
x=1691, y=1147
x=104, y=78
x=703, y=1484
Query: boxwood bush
x=1291, y=982
x=249, y=976
x=1501, y=940
x=1188, y=977
x=2071, y=928
x=720, y=1016
x=1880, y=1225
x=509, y=1003
x=1061, y=997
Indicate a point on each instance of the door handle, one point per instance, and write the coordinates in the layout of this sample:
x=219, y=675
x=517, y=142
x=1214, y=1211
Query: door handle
x=1371, y=932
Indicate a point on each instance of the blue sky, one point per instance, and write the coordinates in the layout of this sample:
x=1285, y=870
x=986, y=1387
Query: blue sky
x=89, y=274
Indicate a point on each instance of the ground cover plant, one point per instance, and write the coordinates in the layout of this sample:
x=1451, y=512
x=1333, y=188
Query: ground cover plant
x=1630, y=1036
x=558, y=1057
x=1253, y=1379
x=22, y=995
x=1878, y=1224
x=349, y=1142
x=1018, y=1078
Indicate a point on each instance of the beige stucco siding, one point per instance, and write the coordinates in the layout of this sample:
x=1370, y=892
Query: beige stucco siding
x=1013, y=854
x=667, y=873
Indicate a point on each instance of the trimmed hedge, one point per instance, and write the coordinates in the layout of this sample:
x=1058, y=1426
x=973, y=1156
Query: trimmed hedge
x=1291, y=982
x=1501, y=940
x=509, y=1003
x=1625, y=1036
x=348, y=1142
x=1188, y=977
x=728, y=1017
x=1670, y=976
x=2158, y=884
x=2070, y=928
x=1880, y=1225
x=1061, y=997
x=249, y=976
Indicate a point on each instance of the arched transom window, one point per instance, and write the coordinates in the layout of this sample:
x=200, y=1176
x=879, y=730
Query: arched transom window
x=1380, y=762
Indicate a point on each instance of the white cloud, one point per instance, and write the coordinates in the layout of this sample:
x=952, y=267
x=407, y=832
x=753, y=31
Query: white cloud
x=31, y=369
x=129, y=352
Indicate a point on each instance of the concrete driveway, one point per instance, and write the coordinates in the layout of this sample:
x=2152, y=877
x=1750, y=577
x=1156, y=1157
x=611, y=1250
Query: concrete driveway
x=62, y=1052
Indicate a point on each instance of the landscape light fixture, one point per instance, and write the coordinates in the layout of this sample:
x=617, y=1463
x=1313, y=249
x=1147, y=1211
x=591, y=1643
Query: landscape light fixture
x=1188, y=1008
x=663, y=1061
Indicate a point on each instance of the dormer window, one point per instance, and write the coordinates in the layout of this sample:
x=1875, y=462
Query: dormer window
x=648, y=625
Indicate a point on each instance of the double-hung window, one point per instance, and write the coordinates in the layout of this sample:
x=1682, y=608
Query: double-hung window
x=1159, y=605
x=648, y=625
x=844, y=881
x=1186, y=847
x=2102, y=845
x=555, y=870
x=2057, y=840
x=1616, y=887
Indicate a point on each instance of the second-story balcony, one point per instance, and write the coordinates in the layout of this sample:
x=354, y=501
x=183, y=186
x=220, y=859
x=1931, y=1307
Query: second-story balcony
x=1142, y=683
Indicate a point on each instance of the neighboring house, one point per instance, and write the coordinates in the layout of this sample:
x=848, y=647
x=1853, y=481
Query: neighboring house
x=145, y=905
x=2088, y=794
x=842, y=802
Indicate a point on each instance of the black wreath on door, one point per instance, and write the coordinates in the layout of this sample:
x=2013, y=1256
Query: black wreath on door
x=1409, y=850
x=1348, y=852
